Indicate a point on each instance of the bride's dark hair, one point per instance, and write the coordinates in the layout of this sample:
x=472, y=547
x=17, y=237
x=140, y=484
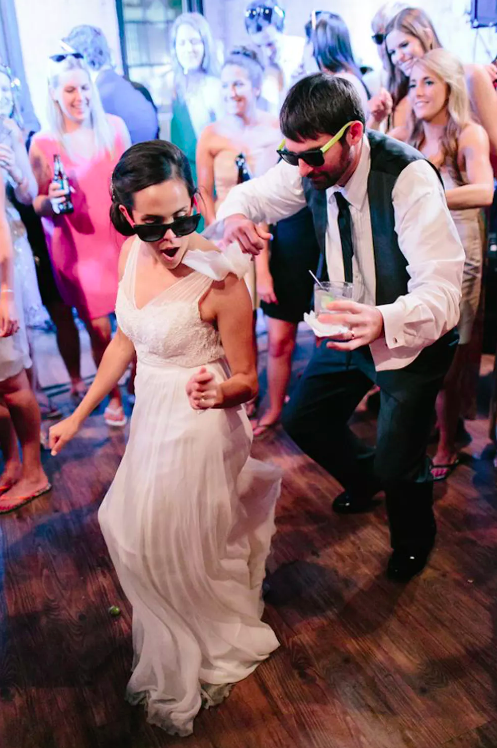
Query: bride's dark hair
x=141, y=166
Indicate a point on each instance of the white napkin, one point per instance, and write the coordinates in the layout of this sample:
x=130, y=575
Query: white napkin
x=322, y=330
x=217, y=265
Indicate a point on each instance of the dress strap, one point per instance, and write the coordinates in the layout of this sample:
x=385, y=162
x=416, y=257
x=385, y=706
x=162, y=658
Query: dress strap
x=190, y=288
x=129, y=275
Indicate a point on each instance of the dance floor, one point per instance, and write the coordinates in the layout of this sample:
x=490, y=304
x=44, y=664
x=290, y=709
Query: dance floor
x=363, y=663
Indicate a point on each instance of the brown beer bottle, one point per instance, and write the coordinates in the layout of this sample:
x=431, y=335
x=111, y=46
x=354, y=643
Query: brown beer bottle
x=243, y=171
x=60, y=176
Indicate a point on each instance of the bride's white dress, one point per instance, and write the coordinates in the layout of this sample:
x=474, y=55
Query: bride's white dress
x=189, y=517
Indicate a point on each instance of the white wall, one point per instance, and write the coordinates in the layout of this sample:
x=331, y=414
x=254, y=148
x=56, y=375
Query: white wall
x=42, y=23
x=448, y=16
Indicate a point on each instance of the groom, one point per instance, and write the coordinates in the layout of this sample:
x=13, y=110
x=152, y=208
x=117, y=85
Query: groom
x=382, y=221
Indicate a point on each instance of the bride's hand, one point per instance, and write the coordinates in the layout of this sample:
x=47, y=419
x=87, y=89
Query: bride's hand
x=61, y=433
x=202, y=390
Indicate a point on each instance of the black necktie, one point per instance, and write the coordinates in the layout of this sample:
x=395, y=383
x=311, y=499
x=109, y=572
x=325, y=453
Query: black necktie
x=345, y=228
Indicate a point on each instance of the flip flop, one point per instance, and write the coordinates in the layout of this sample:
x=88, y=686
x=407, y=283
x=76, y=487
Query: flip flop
x=115, y=412
x=449, y=468
x=7, y=508
x=6, y=487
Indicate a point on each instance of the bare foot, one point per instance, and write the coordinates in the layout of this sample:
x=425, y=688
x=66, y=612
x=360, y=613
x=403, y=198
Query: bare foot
x=267, y=422
x=26, y=488
x=11, y=475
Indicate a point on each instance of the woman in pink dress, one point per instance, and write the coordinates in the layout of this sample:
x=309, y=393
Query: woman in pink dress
x=83, y=246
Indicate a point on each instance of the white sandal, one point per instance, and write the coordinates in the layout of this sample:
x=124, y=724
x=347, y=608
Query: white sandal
x=115, y=412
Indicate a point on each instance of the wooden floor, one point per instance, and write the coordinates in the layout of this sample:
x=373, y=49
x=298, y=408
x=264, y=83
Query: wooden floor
x=363, y=662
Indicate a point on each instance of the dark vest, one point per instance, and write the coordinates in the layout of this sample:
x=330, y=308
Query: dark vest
x=389, y=158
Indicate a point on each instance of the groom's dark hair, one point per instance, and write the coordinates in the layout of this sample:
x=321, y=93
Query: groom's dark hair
x=319, y=104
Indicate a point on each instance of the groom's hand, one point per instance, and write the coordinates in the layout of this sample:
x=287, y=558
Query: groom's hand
x=250, y=237
x=365, y=324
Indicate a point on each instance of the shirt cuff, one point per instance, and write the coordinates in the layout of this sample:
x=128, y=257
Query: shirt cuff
x=393, y=325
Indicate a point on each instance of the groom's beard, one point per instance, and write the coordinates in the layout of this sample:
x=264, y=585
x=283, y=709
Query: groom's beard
x=322, y=180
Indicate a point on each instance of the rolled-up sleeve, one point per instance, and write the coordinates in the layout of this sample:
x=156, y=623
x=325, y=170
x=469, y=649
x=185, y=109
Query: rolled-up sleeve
x=430, y=243
x=276, y=195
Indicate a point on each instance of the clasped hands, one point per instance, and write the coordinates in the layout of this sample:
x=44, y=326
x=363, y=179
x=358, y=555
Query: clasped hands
x=203, y=391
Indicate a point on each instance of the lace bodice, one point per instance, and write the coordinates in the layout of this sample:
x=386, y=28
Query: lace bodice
x=169, y=328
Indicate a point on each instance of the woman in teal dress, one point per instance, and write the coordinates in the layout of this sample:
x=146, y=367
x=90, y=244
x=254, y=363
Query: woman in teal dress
x=197, y=89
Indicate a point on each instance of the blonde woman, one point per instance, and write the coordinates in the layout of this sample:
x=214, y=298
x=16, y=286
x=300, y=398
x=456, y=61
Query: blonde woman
x=440, y=126
x=83, y=247
x=409, y=36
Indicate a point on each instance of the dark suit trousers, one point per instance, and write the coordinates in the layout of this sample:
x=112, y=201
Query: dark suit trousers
x=317, y=420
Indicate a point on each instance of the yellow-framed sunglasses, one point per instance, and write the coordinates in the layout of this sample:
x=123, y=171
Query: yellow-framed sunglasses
x=314, y=156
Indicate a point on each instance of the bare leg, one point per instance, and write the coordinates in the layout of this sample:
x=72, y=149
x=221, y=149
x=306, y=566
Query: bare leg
x=100, y=333
x=448, y=409
x=25, y=415
x=68, y=343
x=47, y=407
x=10, y=448
x=281, y=344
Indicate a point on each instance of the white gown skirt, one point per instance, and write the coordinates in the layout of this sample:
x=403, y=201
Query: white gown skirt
x=188, y=522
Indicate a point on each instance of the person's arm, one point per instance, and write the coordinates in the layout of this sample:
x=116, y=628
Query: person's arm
x=116, y=359
x=205, y=176
x=483, y=99
x=435, y=259
x=229, y=305
x=49, y=194
x=263, y=278
x=276, y=195
x=8, y=315
x=15, y=160
x=379, y=107
x=479, y=192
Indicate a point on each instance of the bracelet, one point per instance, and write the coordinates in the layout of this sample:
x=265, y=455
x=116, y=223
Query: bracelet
x=7, y=290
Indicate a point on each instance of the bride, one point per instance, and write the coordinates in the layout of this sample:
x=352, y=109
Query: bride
x=189, y=517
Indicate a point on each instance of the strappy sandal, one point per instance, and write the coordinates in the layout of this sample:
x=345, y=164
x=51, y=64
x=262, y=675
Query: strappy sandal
x=115, y=422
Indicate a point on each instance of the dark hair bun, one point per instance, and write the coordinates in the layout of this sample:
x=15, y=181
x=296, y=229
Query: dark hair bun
x=141, y=166
x=119, y=221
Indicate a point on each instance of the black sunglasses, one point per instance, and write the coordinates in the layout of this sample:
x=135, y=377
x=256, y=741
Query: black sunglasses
x=154, y=232
x=65, y=55
x=314, y=156
x=378, y=38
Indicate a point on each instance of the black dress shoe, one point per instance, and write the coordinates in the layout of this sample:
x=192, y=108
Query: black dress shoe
x=404, y=565
x=347, y=504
